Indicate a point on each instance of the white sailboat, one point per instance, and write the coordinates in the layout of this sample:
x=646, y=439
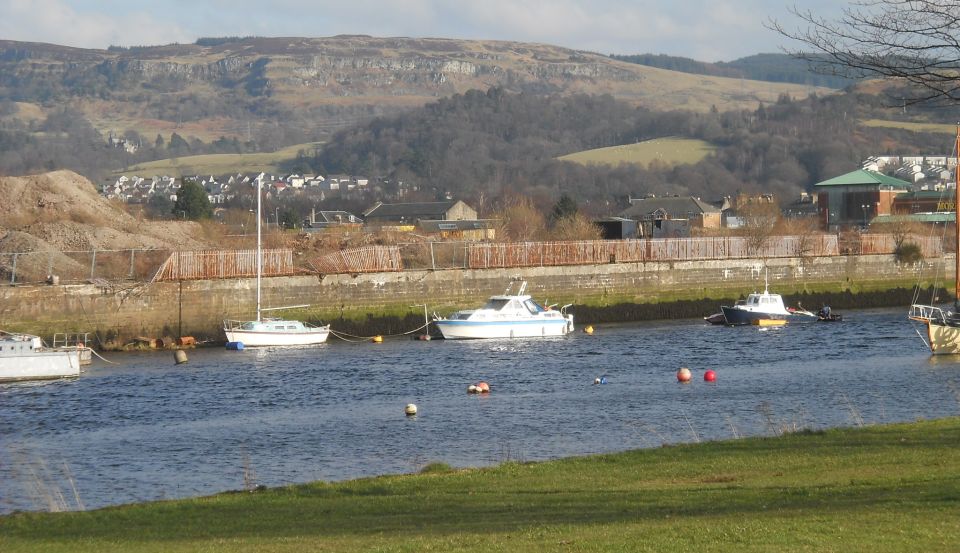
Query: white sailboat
x=271, y=331
x=943, y=325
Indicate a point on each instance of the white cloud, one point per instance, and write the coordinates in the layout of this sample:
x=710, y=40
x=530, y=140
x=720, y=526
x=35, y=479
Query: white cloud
x=58, y=22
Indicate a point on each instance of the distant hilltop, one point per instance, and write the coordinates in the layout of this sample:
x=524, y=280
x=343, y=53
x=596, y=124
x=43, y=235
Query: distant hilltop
x=215, y=87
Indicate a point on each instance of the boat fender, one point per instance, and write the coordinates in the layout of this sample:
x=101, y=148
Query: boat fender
x=235, y=346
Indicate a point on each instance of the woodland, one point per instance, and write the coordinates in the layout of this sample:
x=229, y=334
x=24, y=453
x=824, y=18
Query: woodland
x=482, y=146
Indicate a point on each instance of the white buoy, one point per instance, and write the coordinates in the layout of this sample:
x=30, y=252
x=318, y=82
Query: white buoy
x=410, y=409
x=472, y=389
x=180, y=356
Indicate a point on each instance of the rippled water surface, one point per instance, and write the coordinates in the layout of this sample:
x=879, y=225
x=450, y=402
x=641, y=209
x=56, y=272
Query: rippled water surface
x=145, y=428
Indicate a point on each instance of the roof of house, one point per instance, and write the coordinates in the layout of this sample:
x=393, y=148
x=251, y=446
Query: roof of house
x=467, y=224
x=676, y=206
x=413, y=210
x=862, y=176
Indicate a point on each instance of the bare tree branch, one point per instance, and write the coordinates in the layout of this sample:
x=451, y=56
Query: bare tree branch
x=915, y=41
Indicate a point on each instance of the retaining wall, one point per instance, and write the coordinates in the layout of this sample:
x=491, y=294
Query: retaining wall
x=196, y=308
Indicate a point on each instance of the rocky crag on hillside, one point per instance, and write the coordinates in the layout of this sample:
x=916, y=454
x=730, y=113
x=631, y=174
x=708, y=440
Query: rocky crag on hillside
x=335, y=81
x=54, y=219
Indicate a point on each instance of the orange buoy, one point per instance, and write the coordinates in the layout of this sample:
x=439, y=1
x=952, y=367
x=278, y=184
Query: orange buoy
x=684, y=375
x=709, y=376
x=483, y=387
x=588, y=330
x=377, y=339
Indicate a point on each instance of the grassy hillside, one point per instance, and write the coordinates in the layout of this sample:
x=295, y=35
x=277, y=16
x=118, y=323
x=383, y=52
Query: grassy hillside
x=666, y=150
x=915, y=127
x=879, y=489
x=217, y=164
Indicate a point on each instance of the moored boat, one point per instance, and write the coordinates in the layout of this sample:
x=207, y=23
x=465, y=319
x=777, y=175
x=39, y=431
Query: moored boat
x=507, y=316
x=943, y=325
x=24, y=357
x=269, y=331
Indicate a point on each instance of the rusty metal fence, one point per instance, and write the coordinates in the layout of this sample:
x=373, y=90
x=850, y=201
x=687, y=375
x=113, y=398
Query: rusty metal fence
x=213, y=264
x=370, y=259
x=163, y=265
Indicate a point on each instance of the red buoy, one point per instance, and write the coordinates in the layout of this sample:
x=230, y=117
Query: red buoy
x=709, y=376
x=684, y=375
x=483, y=387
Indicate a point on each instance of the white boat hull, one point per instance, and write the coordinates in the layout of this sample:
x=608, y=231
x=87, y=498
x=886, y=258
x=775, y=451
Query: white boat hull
x=40, y=365
x=258, y=339
x=456, y=330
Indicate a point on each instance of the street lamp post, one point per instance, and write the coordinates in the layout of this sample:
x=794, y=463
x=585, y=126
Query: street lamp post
x=864, y=208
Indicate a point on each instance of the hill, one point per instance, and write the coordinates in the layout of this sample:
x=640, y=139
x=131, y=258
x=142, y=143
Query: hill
x=61, y=211
x=776, y=68
x=249, y=87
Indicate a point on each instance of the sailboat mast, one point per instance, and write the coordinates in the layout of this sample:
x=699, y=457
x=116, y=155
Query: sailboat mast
x=259, y=247
x=956, y=219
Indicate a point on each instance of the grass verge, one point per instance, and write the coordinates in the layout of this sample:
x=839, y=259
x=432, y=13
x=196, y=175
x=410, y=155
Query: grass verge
x=882, y=488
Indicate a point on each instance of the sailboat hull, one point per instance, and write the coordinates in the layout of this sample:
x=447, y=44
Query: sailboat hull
x=275, y=333
x=943, y=339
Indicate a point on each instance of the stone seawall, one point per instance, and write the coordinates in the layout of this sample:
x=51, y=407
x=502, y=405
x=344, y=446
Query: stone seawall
x=196, y=308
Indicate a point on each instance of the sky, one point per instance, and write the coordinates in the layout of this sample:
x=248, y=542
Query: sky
x=706, y=30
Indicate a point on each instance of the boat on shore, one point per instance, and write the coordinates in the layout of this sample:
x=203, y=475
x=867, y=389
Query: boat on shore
x=25, y=357
x=510, y=315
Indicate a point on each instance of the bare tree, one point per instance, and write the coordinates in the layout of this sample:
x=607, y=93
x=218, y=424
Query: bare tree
x=758, y=223
x=914, y=40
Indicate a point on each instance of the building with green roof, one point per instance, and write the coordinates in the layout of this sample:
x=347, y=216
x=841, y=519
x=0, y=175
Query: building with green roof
x=853, y=199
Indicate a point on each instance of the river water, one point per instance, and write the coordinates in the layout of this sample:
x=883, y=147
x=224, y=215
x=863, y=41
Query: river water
x=145, y=428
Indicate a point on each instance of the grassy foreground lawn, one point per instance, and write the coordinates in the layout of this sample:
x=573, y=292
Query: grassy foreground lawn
x=883, y=488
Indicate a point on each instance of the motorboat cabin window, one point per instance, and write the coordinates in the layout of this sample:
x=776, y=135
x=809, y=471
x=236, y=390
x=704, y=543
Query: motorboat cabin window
x=532, y=306
x=496, y=304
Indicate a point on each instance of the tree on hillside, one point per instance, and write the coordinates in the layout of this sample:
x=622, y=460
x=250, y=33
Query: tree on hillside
x=159, y=206
x=914, y=40
x=565, y=207
x=192, y=202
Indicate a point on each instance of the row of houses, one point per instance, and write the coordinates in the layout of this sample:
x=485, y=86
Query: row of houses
x=935, y=170
x=139, y=190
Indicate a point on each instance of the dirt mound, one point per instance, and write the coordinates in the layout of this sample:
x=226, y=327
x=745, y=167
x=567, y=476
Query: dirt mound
x=63, y=210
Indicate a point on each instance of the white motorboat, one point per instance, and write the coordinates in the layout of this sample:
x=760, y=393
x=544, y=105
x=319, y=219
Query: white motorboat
x=270, y=331
x=24, y=357
x=507, y=316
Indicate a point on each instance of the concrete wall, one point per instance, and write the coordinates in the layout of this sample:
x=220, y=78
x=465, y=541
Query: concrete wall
x=158, y=309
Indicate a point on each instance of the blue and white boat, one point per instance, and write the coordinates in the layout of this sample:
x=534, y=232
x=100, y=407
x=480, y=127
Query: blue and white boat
x=507, y=316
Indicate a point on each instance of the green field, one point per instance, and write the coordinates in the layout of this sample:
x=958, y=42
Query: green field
x=670, y=151
x=217, y=164
x=915, y=127
x=875, y=488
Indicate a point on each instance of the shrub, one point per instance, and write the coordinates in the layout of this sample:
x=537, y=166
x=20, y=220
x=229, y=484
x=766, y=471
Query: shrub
x=908, y=252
